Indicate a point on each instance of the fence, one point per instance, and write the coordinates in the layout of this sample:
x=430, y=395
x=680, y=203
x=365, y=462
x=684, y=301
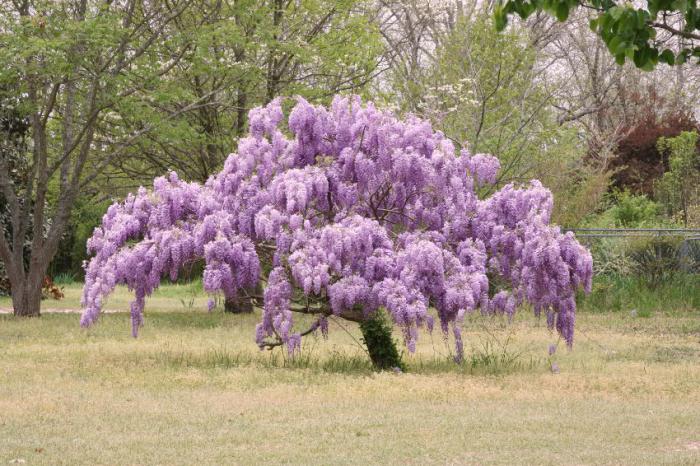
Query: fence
x=648, y=248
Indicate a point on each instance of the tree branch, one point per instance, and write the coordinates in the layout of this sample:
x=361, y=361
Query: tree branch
x=278, y=342
x=674, y=31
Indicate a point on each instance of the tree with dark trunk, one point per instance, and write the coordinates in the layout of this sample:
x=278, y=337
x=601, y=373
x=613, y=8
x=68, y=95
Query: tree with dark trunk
x=70, y=66
x=352, y=214
x=114, y=92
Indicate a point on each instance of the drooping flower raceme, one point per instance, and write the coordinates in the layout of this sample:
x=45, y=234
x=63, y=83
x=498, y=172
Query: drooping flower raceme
x=346, y=211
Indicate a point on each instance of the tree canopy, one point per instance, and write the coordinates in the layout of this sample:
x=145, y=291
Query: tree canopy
x=349, y=211
x=643, y=32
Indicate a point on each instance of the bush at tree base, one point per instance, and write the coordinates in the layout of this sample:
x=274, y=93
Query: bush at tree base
x=349, y=211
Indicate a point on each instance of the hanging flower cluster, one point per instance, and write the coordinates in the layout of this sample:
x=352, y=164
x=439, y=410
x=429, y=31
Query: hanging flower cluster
x=347, y=211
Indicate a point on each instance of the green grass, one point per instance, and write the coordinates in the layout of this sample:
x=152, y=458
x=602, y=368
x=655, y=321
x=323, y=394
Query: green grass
x=679, y=293
x=194, y=389
x=169, y=297
x=64, y=278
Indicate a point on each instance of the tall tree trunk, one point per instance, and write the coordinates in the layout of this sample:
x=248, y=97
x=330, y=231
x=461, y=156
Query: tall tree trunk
x=241, y=111
x=273, y=74
x=26, y=298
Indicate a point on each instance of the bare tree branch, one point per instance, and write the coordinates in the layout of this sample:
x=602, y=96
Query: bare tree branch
x=674, y=31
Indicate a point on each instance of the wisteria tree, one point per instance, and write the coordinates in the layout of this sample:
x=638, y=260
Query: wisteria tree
x=348, y=212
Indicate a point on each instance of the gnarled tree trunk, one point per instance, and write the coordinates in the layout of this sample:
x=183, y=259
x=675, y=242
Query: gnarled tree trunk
x=238, y=305
x=244, y=303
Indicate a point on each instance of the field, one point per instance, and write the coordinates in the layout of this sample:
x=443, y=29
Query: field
x=194, y=389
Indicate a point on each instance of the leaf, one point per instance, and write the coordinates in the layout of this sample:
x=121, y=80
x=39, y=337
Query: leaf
x=648, y=66
x=616, y=12
x=500, y=19
x=562, y=11
x=667, y=57
x=614, y=45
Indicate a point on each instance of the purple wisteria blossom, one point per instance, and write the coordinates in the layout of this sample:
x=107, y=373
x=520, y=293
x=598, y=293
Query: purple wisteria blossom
x=345, y=211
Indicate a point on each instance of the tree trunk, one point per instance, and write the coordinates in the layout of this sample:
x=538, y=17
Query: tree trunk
x=376, y=334
x=238, y=305
x=242, y=112
x=243, y=304
x=26, y=299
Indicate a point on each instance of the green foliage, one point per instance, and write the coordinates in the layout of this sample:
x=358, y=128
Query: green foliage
x=579, y=189
x=656, y=260
x=632, y=211
x=484, y=88
x=377, y=337
x=638, y=162
x=481, y=90
x=629, y=30
x=610, y=257
x=130, y=90
x=653, y=260
x=679, y=188
x=244, y=54
x=181, y=102
x=64, y=278
x=72, y=251
x=624, y=209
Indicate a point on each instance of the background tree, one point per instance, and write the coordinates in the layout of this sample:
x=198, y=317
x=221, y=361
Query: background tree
x=486, y=88
x=639, y=161
x=243, y=54
x=14, y=132
x=679, y=187
x=117, y=92
x=497, y=91
x=73, y=65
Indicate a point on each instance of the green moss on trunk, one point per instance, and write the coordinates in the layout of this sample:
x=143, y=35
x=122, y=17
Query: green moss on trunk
x=376, y=335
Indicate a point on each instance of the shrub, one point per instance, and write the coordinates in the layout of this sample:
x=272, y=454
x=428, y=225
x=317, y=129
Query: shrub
x=634, y=211
x=624, y=209
x=656, y=259
x=639, y=162
x=610, y=257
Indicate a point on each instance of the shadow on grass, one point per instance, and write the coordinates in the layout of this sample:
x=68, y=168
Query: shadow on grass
x=489, y=362
x=222, y=348
x=223, y=358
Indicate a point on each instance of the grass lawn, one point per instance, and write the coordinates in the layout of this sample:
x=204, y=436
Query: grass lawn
x=194, y=389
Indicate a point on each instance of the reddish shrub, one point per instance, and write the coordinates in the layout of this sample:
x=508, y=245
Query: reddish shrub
x=639, y=163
